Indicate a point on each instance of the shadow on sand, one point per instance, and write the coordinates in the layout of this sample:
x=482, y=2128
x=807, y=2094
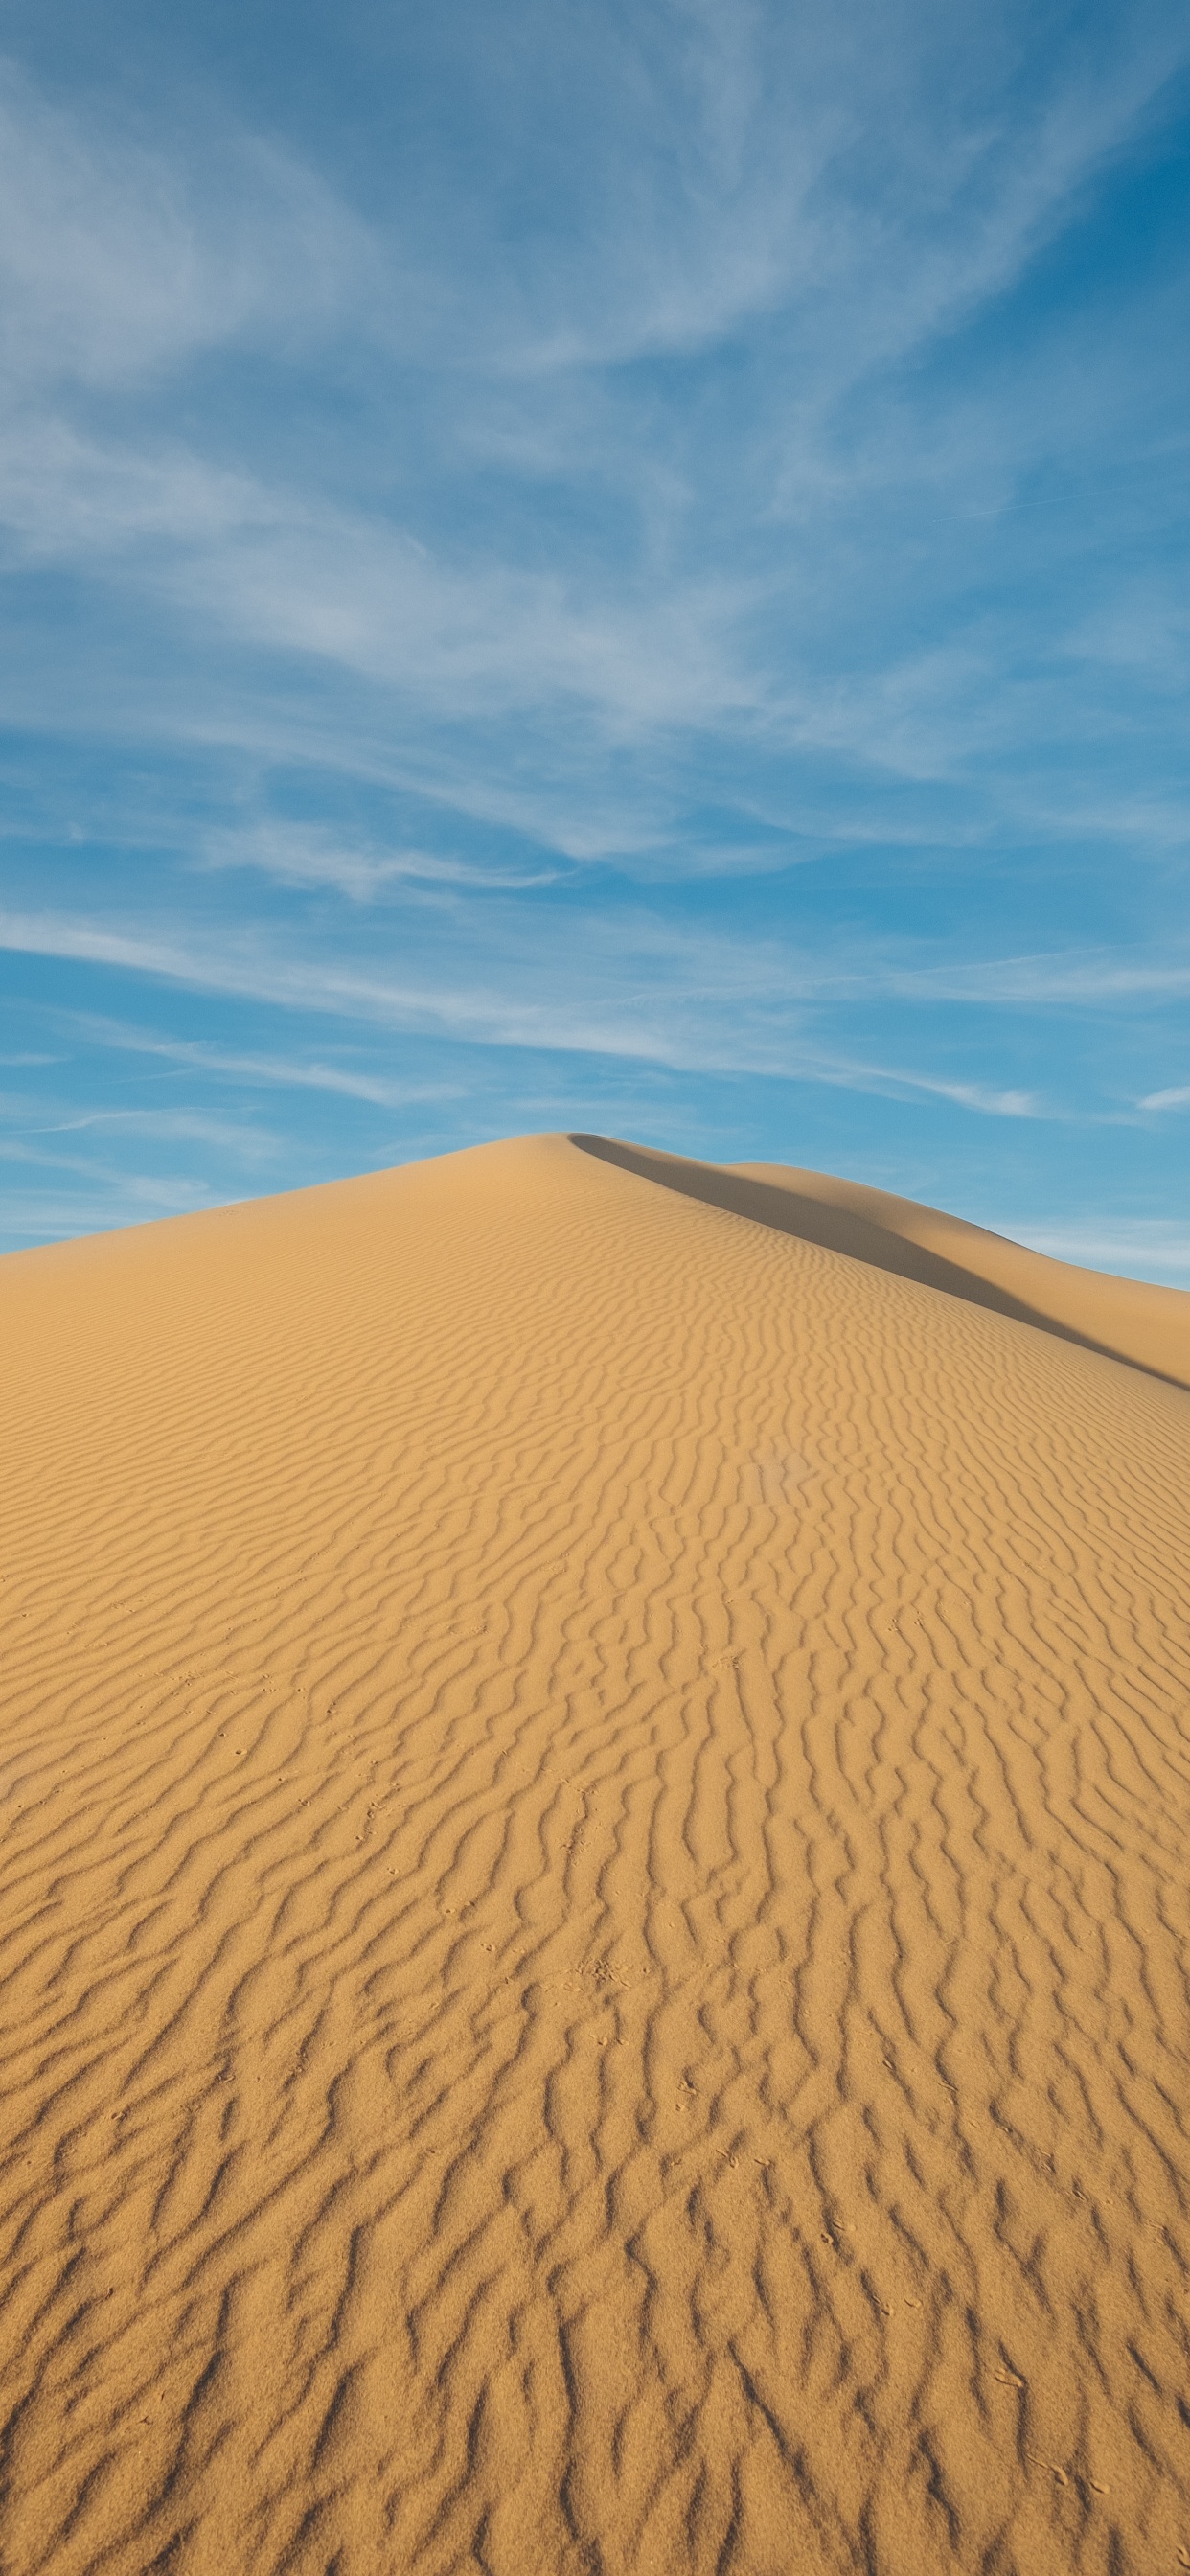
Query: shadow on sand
x=838, y=1229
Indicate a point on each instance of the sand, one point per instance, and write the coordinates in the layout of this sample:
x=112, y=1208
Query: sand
x=595, y=1893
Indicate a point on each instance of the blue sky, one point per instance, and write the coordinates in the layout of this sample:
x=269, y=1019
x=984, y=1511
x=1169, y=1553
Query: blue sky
x=606, y=566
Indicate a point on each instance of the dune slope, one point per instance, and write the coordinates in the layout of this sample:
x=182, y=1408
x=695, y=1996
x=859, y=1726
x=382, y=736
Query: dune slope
x=1122, y=1318
x=594, y=1946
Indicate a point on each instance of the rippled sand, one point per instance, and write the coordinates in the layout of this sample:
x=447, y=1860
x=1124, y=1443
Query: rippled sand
x=595, y=1887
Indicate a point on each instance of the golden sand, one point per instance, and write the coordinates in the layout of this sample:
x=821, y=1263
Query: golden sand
x=596, y=1766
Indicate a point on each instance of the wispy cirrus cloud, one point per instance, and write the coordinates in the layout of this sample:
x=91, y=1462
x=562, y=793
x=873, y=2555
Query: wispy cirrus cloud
x=1071, y=980
x=124, y=260
x=1158, y=1249
x=173, y=1127
x=277, y=570
x=285, y=1073
x=694, y=1003
x=159, y=1194
x=712, y=966
x=303, y=854
x=653, y=539
x=121, y=259
x=1178, y=1097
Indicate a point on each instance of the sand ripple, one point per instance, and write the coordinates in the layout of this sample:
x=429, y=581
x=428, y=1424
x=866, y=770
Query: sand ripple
x=594, y=1963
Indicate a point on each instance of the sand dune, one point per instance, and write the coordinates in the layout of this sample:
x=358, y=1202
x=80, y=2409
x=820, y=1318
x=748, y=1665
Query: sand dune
x=1122, y=1318
x=594, y=1968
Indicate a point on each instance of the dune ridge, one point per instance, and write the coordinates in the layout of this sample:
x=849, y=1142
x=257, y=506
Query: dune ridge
x=1123, y=1319
x=594, y=1962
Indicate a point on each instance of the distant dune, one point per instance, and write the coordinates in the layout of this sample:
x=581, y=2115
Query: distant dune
x=596, y=1767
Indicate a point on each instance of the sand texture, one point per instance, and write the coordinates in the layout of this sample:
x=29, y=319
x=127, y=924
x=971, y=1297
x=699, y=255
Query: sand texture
x=595, y=1889
x=1122, y=1318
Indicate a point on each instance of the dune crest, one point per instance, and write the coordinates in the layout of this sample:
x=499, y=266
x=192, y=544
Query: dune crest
x=594, y=1966
x=1125, y=1319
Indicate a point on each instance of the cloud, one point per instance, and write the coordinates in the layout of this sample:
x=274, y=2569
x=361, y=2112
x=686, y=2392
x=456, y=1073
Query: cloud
x=982, y=1097
x=303, y=854
x=481, y=639
x=715, y=173
x=650, y=442
x=307, y=581
x=168, y=1193
x=490, y=1014
x=1136, y=1247
x=174, y=1127
x=119, y=259
x=684, y=1003
x=651, y=190
x=712, y=968
x=1177, y=1098
x=1144, y=823
x=80, y=1196
x=1077, y=979
x=68, y=499
x=285, y=1072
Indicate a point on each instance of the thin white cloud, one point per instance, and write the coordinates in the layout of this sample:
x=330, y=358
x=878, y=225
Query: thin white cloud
x=1137, y=1247
x=484, y=639
x=88, y=1197
x=117, y=260
x=254, y=969
x=67, y=497
x=1143, y=823
x=123, y=259
x=286, y=1072
x=867, y=173
x=174, y=1127
x=275, y=570
x=713, y=968
x=980, y=1096
x=168, y=1192
x=296, y=854
x=1072, y=978
x=694, y=1006
x=423, y=503
x=1176, y=1098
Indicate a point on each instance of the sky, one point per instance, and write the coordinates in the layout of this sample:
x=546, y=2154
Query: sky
x=597, y=566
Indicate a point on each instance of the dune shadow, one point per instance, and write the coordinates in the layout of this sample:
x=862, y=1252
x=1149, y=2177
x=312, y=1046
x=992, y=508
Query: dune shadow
x=835, y=1229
